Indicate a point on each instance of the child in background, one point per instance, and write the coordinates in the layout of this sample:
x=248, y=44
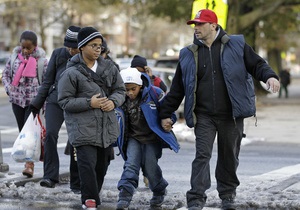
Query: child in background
x=140, y=63
x=21, y=79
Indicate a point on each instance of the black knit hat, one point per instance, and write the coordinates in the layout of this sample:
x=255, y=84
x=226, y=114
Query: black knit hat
x=71, y=37
x=87, y=34
x=138, y=61
x=104, y=48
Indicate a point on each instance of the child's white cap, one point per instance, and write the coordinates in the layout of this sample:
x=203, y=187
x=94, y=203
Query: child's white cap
x=131, y=75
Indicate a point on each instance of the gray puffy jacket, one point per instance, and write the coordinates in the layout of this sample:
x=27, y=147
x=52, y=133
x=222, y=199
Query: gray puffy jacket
x=86, y=125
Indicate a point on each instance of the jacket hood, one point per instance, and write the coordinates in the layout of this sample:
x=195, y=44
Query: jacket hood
x=75, y=60
x=220, y=35
x=38, y=52
x=78, y=59
x=146, y=83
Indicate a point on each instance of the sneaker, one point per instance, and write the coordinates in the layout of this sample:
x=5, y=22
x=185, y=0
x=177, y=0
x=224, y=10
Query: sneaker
x=47, y=183
x=124, y=199
x=90, y=204
x=158, y=199
x=228, y=204
x=123, y=204
x=196, y=207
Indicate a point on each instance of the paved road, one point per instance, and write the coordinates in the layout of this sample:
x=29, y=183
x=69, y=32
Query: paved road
x=266, y=183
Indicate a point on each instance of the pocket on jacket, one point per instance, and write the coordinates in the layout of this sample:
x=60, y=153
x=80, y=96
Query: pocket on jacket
x=86, y=128
x=112, y=126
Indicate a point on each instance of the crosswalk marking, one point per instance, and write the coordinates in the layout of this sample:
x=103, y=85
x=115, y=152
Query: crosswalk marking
x=10, y=130
x=8, y=150
x=14, y=130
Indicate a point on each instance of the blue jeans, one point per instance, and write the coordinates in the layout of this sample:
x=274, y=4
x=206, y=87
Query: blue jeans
x=228, y=141
x=145, y=156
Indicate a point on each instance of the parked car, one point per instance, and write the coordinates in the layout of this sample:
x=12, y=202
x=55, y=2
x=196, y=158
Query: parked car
x=165, y=74
x=126, y=62
x=167, y=62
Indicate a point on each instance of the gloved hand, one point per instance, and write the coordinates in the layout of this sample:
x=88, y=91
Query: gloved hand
x=33, y=109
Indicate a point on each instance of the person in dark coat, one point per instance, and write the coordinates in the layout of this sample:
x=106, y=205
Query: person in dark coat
x=214, y=75
x=140, y=63
x=105, y=51
x=53, y=112
x=285, y=80
x=88, y=92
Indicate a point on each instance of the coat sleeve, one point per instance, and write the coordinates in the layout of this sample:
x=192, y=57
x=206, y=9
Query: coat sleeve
x=117, y=89
x=48, y=81
x=257, y=66
x=174, y=97
x=67, y=90
x=6, y=76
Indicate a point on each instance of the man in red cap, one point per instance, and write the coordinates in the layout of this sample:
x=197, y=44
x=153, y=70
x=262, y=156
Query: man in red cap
x=214, y=75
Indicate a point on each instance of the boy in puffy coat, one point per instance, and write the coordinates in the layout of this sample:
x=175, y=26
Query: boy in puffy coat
x=88, y=92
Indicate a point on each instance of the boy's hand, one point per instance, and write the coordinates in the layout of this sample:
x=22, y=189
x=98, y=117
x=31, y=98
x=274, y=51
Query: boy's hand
x=148, y=71
x=167, y=124
x=103, y=103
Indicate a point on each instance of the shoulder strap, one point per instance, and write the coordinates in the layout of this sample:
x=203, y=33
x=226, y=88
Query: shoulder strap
x=13, y=58
x=92, y=75
x=40, y=71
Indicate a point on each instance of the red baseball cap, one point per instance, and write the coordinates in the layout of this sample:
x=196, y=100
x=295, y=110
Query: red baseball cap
x=204, y=16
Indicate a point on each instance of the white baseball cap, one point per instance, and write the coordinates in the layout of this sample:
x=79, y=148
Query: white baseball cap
x=131, y=75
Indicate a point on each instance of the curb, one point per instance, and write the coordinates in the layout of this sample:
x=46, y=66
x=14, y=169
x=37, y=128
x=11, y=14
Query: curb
x=21, y=181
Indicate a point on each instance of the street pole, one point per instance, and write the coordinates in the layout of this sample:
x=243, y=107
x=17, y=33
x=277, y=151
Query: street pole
x=3, y=166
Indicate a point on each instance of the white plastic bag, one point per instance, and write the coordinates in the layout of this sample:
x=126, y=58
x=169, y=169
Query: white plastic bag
x=27, y=146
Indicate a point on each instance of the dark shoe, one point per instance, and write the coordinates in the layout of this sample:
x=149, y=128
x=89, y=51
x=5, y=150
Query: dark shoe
x=123, y=204
x=197, y=207
x=228, y=204
x=47, y=183
x=124, y=199
x=158, y=199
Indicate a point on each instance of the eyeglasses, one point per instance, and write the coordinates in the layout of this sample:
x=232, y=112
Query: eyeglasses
x=96, y=46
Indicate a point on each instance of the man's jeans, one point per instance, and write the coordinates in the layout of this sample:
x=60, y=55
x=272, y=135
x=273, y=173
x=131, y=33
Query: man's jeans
x=228, y=140
x=145, y=156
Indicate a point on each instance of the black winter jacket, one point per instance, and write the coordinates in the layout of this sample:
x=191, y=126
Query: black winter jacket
x=48, y=90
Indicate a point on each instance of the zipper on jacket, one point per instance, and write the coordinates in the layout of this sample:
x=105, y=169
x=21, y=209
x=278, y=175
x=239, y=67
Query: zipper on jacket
x=213, y=72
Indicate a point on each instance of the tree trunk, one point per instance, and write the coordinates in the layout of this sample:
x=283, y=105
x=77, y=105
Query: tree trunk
x=274, y=59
